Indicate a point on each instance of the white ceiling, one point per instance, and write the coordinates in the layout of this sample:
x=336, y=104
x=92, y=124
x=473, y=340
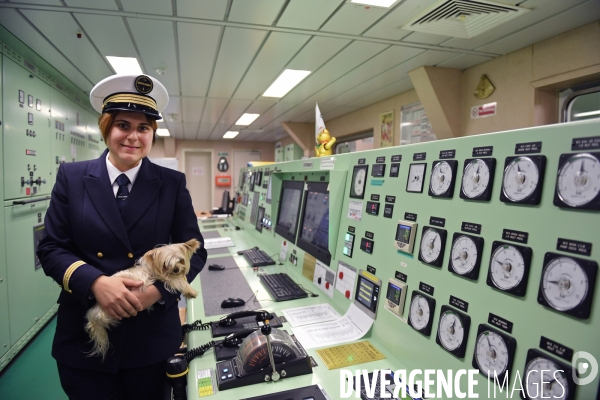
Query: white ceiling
x=221, y=55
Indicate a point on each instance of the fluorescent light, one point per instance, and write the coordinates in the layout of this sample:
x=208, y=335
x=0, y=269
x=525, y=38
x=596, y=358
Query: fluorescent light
x=586, y=114
x=285, y=82
x=125, y=65
x=230, y=134
x=247, y=119
x=163, y=132
x=376, y=3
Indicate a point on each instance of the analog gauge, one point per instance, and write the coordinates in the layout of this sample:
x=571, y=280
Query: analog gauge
x=443, y=176
x=494, y=352
x=478, y=179
x=465, y=258
x=453, y=329
x=509, y=268
x=416, y=177
x=421, y=312
x=546, y=378
x=359, y=180
x=567, y=284
x=523, y=178
x=578, y=183
x=433, y=241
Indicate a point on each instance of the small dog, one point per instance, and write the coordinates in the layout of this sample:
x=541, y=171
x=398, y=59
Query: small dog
x=169, y=264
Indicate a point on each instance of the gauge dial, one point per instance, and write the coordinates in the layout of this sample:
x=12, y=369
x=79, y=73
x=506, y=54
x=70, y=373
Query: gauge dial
x=465, y=258
x=522, y=181
x=433, y=241
x=578, y=183
x=494, y=352
x=544, y=379
x=567, y=284
x=359, y=180
x=421, y=312
x=509, y=268
x=478, y=178
x=443, y=175
x=453, y=329
x=416, y=177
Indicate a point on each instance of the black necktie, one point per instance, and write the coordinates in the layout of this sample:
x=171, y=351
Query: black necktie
x=123, y=192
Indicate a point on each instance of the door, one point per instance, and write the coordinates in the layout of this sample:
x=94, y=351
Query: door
x=240, y=160
x=198, y=174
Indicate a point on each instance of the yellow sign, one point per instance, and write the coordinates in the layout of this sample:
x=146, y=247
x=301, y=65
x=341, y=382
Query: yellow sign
x=349, y=354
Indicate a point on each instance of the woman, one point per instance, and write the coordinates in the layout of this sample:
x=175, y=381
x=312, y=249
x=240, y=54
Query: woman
x=103, y=215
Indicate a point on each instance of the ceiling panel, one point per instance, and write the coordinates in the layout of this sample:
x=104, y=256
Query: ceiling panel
x=234, y=111
x=190, y=131
x=213, y=110
x=218, y=132
x=316, y=53
x=198, y=46
x=392, y=90
x=110, y=42
x=260, y=12
x=176, y=129
x=542, y=9
x=46, y=2
x=464, y=61
x=96, y=4
x=353, y=19
x=204, y=131
x=237, y=50
x=172, y=117
x=270, y=114
x=290, y=114
x=424, y=38
x=307, y=14
x=206, y=9
x=192, y=109
x=12, y=21
x=60, y=29
x=389, y=27
x=576, y=16
x=260, y=106
x=161, y=7
x=270, y=62
x=150, y=36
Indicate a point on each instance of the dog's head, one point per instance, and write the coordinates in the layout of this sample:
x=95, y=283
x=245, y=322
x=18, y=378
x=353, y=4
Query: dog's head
x=172, y=261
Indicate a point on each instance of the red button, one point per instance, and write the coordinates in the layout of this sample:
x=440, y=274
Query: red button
x=341, y=275
x=347, y=294
x=326, y=285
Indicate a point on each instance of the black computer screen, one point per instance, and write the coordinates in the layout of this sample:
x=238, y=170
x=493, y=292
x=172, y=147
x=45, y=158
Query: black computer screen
x=259, y=219
x=225, y=201
x=289, y=209
x=367, y=293
x=269, y=189
x=314, y=230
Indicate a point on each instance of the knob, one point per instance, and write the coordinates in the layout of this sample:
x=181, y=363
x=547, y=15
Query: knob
x=347, y=294
x=341, y=275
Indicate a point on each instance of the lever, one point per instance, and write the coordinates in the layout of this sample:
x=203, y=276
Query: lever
x=266, y=330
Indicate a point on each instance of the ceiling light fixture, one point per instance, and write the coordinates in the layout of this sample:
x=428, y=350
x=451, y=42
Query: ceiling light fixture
x=587, y=114
x=375, y=3
x=163, y=132
x=125, y=65
x=230, y=134
x=285, y=82
x=247, y=119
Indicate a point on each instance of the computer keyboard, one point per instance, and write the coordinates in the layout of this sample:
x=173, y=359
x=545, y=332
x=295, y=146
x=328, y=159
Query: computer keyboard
x=218, y=243
x=258, y=258
x=282, y=287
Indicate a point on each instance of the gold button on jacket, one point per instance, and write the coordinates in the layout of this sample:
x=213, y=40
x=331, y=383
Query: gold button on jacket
x=129, y=255
x=100, y=255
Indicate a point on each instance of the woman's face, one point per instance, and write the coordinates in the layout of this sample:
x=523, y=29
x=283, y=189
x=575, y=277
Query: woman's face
x=129, y=140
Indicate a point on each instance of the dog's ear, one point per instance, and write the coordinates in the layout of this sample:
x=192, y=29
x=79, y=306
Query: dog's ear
x=192, y=245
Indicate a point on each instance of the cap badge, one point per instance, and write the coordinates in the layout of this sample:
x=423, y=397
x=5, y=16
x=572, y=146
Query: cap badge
x=143, y=84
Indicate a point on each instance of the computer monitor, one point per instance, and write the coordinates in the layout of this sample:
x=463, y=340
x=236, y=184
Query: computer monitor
x=258, y=178
x=366, y=295
x=313, y=236
x=242, y=179
x=269, y=189
x=289, y=209
x=259, y=219
x=225, y=202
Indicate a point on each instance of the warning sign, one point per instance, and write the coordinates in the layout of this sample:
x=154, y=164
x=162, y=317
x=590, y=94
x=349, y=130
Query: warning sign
x=486, y=110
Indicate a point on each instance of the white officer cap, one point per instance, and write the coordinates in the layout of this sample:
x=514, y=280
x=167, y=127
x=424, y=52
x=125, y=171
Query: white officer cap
x=137, y=93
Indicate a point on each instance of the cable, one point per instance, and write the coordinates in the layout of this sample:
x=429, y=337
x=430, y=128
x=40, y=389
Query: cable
x=198, y=351
x=308, y=291
x=194, y=326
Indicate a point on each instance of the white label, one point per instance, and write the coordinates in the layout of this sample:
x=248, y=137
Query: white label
x=327, y=162
x=486, y=110
x=198, y=171
x=307, y=164
x=405, y=265
x=355, y=210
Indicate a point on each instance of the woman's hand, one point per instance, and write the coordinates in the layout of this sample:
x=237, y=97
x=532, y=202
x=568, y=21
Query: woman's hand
x=147, y=297
x=114, y=295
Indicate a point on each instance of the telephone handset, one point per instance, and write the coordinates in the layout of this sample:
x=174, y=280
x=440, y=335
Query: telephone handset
x=235, y=339
x=230, y=320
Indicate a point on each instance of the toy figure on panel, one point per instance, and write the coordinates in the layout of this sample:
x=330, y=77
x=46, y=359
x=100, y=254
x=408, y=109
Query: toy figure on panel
x=105, y=214
x=324, y=141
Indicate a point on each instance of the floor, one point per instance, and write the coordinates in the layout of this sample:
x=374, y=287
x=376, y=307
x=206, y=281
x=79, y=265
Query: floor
x=33, y=374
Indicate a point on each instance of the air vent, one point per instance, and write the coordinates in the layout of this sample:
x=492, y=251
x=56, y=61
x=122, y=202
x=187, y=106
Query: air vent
x=463, y=18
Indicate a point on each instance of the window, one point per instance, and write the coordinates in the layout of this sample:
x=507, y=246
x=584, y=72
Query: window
x=358, y=142
x=582, y=103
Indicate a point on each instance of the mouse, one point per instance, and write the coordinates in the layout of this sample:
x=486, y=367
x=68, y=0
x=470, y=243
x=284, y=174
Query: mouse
x=216, y=267
x=231, y=302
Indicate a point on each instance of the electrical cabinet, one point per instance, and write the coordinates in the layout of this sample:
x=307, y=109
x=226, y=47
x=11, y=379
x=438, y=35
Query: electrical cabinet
x=278, y=154
x=4, y=331
x=292, y=152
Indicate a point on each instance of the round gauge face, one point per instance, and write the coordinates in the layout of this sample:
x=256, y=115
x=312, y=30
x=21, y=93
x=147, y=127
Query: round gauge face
x=521, y=177
x=464, y=255
x=544, y=379
x=359, y=182
x=579, y=180
x=415, y=178
x=441, y=178
x=451, y=331
x=419, y=312
x=491, y=354
x=476, y=178
x=507, y=267
x=565, y=284
x=431, y=245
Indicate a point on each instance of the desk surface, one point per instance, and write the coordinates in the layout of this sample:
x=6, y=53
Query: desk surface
x=329, y=380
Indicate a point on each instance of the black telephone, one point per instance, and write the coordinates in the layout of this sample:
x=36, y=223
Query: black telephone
x=235, y=339
x=230, y=320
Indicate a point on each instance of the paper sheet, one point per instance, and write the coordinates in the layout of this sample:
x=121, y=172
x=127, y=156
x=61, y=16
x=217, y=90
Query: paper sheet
x=352, y=326
x=324, y=278
x=355, y=210
x=310, y=314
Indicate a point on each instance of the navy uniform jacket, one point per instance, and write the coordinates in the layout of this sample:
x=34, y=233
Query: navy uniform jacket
x=83, y=223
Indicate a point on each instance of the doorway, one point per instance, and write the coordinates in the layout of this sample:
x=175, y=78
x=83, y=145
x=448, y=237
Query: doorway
x=198, y=173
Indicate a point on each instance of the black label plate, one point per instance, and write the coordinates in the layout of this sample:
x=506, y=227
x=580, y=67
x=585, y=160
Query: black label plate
x=388, y=210
x=574, y=246
x=390, y=199
x=471, y=228
x=369, y=235
x=445, y=154
x=556, y=348
x=483, y=151
x=588, y=143
x=400, y=276
x=397, y=158
x=441, y=222
x=419, y=156
x=380, y=160
x=410, y=217
x=528, y=148
x=426, y=288
x=515, y=236
x=375, y=197
x=371, y=270
x=500, y=322
x=362, y=161
x=458, y=303
x=351, y=229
